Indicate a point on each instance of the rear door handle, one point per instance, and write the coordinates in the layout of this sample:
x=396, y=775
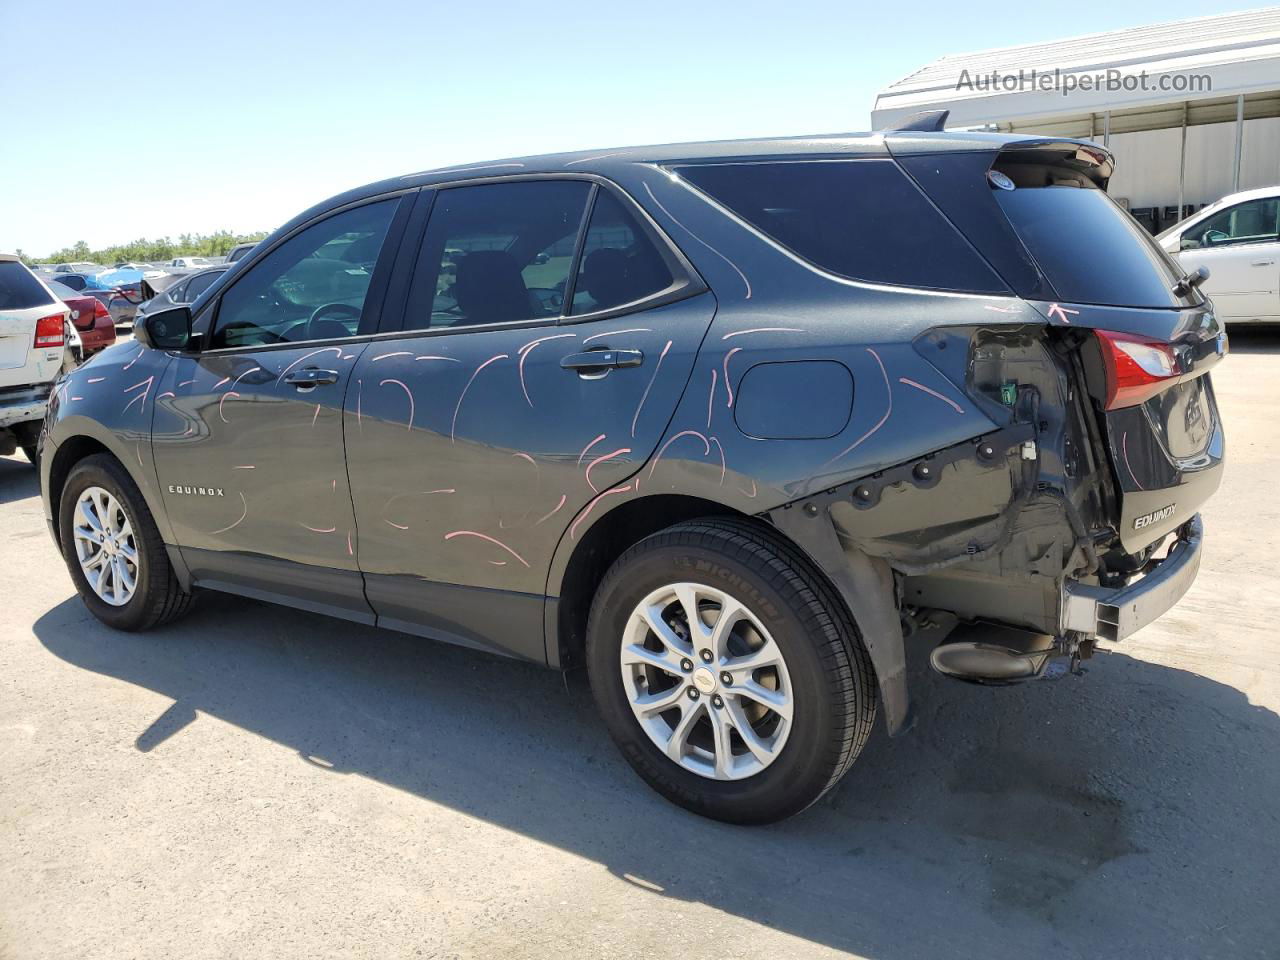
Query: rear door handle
x=1262, y=263
x=602, y=359
x=311, y=377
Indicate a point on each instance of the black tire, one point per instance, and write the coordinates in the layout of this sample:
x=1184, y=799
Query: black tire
x=31, y=450
x=158, y=597
x=833, y=681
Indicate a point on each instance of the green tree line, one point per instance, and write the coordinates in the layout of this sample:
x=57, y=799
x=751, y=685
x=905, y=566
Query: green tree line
x=166, y=248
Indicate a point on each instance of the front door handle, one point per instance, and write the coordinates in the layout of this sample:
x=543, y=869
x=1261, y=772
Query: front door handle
x=602, y=359
x=1262, y=263
x=311, y=377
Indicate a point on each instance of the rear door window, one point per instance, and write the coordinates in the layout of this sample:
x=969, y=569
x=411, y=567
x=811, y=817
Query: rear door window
x=620, y=263
x=497, y=253
x=860, y=219
x=19, y=289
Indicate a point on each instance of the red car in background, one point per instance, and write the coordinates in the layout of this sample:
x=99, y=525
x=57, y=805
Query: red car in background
x=90, y=316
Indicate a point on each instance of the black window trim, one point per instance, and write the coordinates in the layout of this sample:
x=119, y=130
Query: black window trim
x=687, y=281
x=205, y=322
x=671, y=168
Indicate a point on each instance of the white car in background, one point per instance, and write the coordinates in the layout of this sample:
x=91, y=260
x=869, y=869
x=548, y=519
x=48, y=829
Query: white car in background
x=1238, y=240
x=33, y=349
x=190, y=263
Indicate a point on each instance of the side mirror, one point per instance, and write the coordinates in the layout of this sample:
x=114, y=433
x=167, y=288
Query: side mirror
x=165, y=329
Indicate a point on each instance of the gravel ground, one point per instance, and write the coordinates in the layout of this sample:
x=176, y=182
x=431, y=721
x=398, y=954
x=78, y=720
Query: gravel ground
x=254, y=781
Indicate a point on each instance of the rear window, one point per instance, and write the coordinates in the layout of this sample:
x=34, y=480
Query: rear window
x=1089, y=249
x=860, y=219
x=19, y=289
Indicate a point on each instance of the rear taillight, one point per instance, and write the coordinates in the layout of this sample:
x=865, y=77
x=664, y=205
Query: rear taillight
x=100, y=310
x=50, y=331
x=1137, y=368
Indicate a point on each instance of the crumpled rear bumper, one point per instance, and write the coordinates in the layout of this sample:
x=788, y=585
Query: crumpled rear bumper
x=1113, y=614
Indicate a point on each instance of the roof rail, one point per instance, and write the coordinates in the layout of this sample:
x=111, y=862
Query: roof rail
x=928, y=121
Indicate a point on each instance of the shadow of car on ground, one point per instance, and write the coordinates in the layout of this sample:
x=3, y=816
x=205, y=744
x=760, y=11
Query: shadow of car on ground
x=1132, y=812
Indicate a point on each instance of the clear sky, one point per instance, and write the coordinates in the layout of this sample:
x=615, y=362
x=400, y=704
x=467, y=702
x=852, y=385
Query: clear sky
x=122, y=120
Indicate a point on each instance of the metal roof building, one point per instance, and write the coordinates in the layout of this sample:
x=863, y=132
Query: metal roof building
x=1191, y=108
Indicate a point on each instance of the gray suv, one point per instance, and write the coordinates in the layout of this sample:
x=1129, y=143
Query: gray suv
x=723, y=423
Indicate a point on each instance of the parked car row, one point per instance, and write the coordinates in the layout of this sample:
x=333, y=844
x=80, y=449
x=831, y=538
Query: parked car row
x=40, y=337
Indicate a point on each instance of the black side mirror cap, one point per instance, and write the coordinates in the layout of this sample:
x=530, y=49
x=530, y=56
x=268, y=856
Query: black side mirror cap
x=165, y=329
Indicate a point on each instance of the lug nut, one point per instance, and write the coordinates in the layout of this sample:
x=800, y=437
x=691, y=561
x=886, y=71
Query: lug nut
x=693, y=693
x=726, y=678
x=706, y=656
x=716, y=701
x=686, y=665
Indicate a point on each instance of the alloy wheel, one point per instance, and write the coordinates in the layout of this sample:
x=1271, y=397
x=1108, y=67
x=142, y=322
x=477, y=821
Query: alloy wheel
x=706, y=681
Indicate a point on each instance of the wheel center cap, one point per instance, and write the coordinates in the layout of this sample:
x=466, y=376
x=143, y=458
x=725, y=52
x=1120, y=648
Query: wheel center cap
x=704, y=680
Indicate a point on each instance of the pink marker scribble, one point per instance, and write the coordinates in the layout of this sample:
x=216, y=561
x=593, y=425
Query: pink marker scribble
x=743, y=333
x=359, y=404
x=398, y=526
x=1061, y=313
x=314, y=415
x=350, y=549
x=136, y=358
x=95, y=379
x=498, y=563
x=750, y=495
x=232, y=526
x=881, y=422
x=583, y=454
x=137, y=452
x=485, y=536
x=453, y=427
x=933, y=393
x=318, y=529
x=598, y=460
x=723, y=465
x=167, y=393
x=683, y=433
x=711, y=396
x=141, y=398
x=244, y=466
x=226, y=396
x=1124, y=450
x=388, y=356
x=740, y=274
x=586, y=511
x=994, y=309
x=645, y=395
x=527, y=349
x=616, y=333
x=186, y=383
x=220, y=383
x=433, y=356
x=727, y=384
x=407, y=392
x=563, y=498
x=336, y=351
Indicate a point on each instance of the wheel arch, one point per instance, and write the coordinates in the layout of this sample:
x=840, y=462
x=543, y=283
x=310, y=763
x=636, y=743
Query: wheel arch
x=83, y=438
x=580, y=563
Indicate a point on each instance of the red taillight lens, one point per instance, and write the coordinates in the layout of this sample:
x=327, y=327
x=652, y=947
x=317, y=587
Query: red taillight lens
x=1137, y=369
x=50, y=331
x=100, y=310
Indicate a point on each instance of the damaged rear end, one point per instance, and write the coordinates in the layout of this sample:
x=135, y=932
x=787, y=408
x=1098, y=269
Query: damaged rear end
x=1078, y=518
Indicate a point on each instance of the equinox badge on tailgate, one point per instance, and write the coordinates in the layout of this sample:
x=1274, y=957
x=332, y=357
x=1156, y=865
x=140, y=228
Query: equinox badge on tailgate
x=1154, y=516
